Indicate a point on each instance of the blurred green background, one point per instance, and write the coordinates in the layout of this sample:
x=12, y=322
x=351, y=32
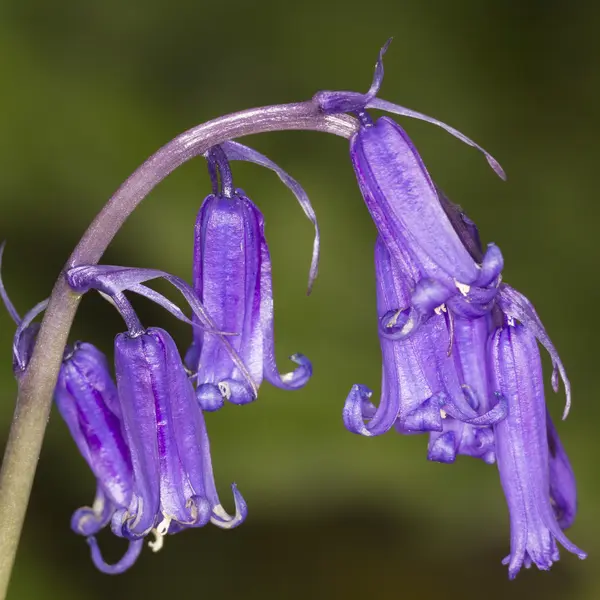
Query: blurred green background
x=90, y=89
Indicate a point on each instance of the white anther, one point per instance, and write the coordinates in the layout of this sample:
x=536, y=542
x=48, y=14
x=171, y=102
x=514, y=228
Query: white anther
x=158, y=542
x=393, y=320
x=159, y=534
x=225, y=390
x=443, y=413
x=463, y=288
x=510, y=321
x=163, y=526
x=440, y=309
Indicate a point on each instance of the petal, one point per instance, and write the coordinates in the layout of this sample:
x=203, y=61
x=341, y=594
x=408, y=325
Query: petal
x=403, y=201
x=138, y=366
x=227, y=257
x=236, y=151
x=127, y=561
x=222, y=519
x=89, y=520
x=517, y=306
x=86, y=397
x=287, y=381
x=563, y=489
x=522, y=450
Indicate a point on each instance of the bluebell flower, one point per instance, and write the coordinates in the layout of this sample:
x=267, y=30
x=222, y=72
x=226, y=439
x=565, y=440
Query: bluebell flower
x=232, y=279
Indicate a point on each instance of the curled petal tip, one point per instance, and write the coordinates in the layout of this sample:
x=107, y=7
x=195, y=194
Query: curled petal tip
x=128, y=559
x=222, y=519
x=358, y=407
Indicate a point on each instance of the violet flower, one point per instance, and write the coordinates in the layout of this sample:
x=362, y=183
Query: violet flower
x=232, y=279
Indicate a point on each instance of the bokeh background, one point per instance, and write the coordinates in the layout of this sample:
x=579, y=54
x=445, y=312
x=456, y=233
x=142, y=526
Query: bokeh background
x=90, y=89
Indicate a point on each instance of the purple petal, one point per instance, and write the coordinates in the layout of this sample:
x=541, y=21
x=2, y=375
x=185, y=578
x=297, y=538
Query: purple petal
x=236, y=151
x=228, y=234
x=517, y=306
x=127, y=561
x=493, y=416
x=86, y=397
x=407, y=112
x=89, y=520
x=403, y=202
x=522, y=450
x=563, y=489
x=287, y=381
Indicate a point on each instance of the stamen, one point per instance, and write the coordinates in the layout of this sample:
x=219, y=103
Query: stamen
x=463, y=288
x=225, y=390
x=159, y=533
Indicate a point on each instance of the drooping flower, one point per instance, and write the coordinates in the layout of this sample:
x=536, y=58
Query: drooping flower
x=535, y=475
x=144, y=439
x=232, y=279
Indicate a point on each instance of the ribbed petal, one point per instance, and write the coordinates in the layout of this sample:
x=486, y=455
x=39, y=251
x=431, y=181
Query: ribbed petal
x=236, y=151
x=227, y=280
x=86, y=397
x=403, y=200
x=151, y=377
x=522, y=450
x=140, y=381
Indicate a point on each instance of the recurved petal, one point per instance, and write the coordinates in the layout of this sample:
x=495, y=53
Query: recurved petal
x=298, y=377
x=127, y=560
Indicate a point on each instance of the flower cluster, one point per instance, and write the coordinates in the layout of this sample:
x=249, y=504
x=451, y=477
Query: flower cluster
x=144, y=437
x=460, y=357
x=460, y=352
